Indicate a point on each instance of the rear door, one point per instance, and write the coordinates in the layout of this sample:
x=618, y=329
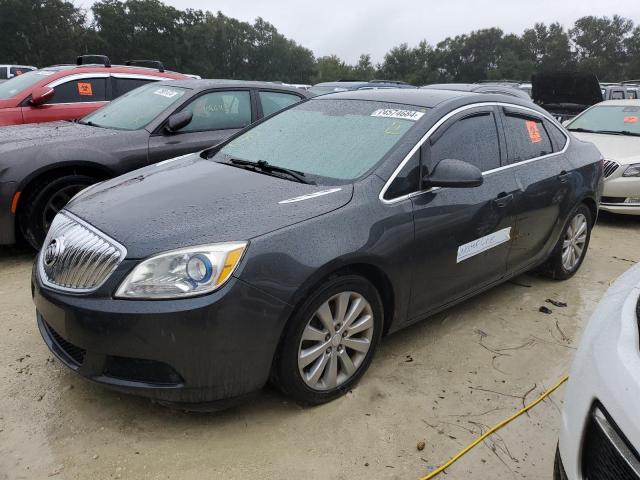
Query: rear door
x=217, y=115
x=544, y=176
x=75, y=96
x=462, y=235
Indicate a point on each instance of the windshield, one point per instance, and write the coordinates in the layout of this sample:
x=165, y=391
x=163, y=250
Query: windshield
x=136, y=109
x=610, y=119
x=17, y=84
x=336, y=139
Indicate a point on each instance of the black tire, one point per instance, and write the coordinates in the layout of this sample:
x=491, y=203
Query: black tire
x=554, y=267
x=43, y=201
x=286, y=374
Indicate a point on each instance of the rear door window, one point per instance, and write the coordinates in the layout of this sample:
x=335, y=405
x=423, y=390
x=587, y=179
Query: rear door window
x=272, y=102
x=81, y=91
x=473, y=139
x=219, y=110
x=526, y=137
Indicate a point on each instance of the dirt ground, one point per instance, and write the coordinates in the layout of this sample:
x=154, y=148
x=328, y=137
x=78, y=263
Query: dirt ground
x=442, y=382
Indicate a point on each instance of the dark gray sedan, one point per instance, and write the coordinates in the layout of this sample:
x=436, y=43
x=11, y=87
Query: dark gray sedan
x=42, y=166
x=288, y=251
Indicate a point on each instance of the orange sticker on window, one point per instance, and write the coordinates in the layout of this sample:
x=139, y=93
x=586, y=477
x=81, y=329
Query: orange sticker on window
x=85, y=88
x=534, y=133
x=630, y=119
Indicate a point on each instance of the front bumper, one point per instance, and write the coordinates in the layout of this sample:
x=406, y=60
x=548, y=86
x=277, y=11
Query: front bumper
x=196, y=350
x=617, y=190
x=605, y=377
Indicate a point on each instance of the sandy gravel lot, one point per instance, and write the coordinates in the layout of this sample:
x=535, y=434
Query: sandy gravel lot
x=442, y=382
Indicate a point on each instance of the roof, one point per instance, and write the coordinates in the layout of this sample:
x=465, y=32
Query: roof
x=427, y=98
x=501, y=88
x=205, y=84
x=621, y=103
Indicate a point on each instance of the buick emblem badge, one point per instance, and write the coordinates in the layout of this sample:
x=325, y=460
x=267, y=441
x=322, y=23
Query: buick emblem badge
x=53, y=251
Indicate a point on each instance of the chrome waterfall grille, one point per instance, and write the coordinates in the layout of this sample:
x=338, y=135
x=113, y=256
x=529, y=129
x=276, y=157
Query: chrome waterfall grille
x=610, y=167
x=76, y=257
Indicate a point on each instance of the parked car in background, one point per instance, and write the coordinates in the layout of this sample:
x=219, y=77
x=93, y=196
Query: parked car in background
x=10, y=71
x=502, y=89
x=565, y=94
x=524, y=86
x=69, y=92
x=621, y=91
x=289, y=250
x=600, y=429
x=43, y=166
x=343, y=86
x=614, y=127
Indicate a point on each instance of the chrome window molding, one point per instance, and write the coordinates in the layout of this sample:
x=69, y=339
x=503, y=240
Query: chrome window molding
x=101, y=235
x=84, y=76
x=440, y=122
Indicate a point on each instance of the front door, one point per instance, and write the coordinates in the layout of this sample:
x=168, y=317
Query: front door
x=462, y=235
x=216, y=116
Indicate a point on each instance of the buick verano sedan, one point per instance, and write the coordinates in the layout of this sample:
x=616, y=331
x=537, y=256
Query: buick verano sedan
x=288, y=251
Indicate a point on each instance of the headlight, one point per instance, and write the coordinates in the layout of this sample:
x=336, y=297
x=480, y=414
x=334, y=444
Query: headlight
x=632, y=171
x=183, y=273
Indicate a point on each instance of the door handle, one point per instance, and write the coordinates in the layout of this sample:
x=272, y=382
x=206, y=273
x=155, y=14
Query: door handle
x=564, y=176
x=503, y=199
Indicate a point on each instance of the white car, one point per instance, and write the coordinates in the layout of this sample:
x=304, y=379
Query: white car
x=600, y=432
x=10, y=71
x=614, y=127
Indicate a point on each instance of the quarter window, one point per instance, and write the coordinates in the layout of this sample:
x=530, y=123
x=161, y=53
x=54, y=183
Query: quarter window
x=408, y=179
x=557, y=137
x=84, y=90
x=273, y=101
x=473, y=139
x=526, y=138
x=219, y=110
x=125, y=85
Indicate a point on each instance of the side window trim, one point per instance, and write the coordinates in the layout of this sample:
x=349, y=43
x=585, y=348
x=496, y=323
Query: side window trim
x=444, y=120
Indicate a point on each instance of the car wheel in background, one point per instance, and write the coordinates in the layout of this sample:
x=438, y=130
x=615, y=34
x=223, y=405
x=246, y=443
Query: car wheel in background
x=569, y=252
x=43, y=203
x=330, y=340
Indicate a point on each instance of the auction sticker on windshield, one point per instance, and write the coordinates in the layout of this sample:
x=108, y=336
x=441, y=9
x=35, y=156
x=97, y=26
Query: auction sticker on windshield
x=166, y=92
x=412, y=115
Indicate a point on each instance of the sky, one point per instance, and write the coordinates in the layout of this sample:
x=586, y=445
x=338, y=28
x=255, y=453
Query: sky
x=350, y=28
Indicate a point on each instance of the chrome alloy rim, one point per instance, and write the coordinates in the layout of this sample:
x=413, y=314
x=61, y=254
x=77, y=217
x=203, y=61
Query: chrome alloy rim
x=574, y=241
x=335, y=341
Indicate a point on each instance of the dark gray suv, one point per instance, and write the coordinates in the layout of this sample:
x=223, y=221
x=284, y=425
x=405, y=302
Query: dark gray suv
x=289, y=250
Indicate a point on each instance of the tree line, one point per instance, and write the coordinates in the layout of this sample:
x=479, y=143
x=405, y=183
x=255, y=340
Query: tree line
x=46, y=32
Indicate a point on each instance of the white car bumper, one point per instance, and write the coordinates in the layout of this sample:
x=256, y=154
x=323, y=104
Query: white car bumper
x=621, y=194
x=605, y=375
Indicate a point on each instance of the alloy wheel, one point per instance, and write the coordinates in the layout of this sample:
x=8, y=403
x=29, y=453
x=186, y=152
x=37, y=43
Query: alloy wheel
x=335, y=341
x=574, y=242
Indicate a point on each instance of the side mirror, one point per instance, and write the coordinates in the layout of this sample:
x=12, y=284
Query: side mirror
x=454, y=174
x=178, y=121
x=41, y=95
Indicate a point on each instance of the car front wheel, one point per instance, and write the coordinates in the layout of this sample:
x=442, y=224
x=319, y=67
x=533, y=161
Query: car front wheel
x=44, y=202
x=330, y=341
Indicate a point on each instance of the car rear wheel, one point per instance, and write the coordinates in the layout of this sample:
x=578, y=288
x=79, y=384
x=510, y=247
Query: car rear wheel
x=44, y=202
x=569, y=252
x=330, y=341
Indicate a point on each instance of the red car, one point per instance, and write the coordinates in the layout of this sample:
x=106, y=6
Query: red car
x=69, y=92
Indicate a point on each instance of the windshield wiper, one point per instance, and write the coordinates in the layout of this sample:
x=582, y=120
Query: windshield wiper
x=583, y=130
x=268, y=168
x=620, y=132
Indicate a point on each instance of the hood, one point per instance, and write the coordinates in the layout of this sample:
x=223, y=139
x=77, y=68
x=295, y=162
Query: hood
x=18, y=137
x=564, y=88
x=192, y=201
x=622, y=149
